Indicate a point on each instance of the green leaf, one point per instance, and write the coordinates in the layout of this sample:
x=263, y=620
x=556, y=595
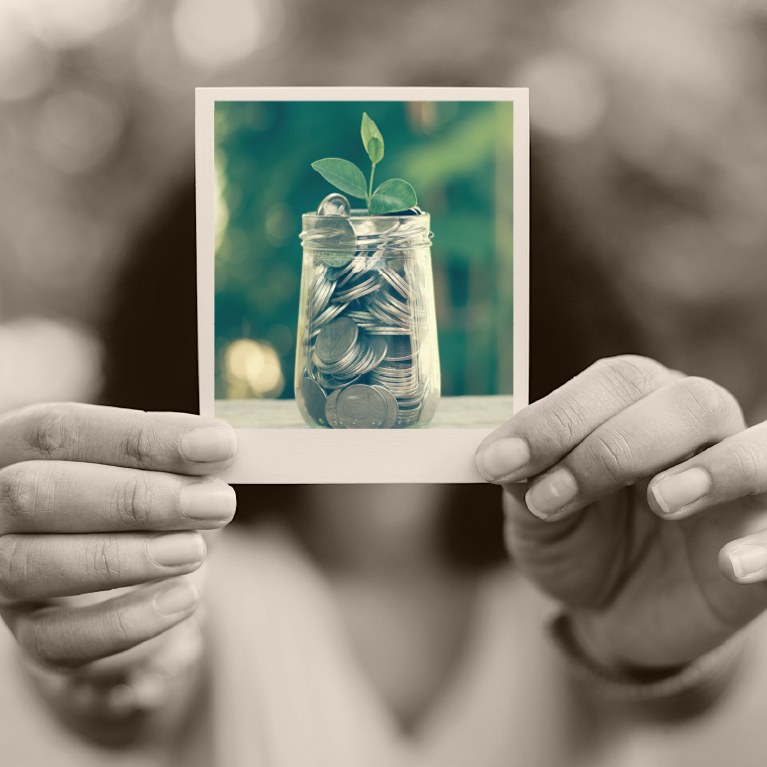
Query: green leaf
x=371, y=138
x=343, y=174
x=392, y=196
x=375, y=150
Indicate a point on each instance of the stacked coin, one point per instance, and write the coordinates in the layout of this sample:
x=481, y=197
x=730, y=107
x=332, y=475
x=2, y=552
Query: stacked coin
x=359, y=364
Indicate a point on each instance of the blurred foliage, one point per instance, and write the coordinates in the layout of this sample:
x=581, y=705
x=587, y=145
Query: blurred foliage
x=449, y=151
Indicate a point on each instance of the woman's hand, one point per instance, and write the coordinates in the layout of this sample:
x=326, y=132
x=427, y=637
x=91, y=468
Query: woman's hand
x=636, y=497
x=96, y=498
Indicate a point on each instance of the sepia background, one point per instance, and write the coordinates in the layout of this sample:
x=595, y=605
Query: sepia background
x=649, y=172
x=648, y=129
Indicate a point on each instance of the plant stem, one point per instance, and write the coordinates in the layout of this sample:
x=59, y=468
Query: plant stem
x=370, y=186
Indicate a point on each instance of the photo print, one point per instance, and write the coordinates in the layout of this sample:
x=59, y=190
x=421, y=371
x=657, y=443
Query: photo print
x=362, y=277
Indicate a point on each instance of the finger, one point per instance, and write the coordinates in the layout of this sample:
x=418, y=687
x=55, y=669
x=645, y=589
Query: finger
x=745, y=560
x=41, y=567
x=146, y=652
x=174, y=442
x=68, y=637
x=659, y=430
x=733, y=468
x=69, y=497
x=544, y=432
x=161, y=651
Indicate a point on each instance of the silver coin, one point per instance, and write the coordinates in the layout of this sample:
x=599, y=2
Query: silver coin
x=331, y=412
x=392, y=408
x=387, y=330
x=355, y=292
x=320, y=294
x=347, y=365
x=380, y=349
x=335, y=259
x=336, y=340
x=314, y=398
x=400, y=349
x=325, y=233
x=360, y=316
x=330, y=313
x=361, y=407
x=396, y=281
x=335, y=204
x=331, y=383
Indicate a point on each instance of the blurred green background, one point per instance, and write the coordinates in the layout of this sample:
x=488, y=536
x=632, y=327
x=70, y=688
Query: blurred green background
x=457, y=155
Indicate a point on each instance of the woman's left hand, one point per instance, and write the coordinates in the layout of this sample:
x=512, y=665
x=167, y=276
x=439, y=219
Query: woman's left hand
x=637, y=497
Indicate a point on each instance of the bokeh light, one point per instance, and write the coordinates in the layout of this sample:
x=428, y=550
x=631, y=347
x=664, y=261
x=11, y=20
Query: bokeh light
x=26, y=66
x=569, y=94
x=73, y=22
x=78, y=128
x=252, y=369
x=221, y=33
x=51, y=361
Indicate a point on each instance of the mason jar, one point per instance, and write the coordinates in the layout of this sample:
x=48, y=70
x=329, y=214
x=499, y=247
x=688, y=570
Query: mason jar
x=366, y=355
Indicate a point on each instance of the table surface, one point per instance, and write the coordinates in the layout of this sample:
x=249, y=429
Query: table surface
x=452, y=413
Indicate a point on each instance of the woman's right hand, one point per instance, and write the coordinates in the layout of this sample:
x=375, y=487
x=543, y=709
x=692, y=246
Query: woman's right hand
x=95, y=498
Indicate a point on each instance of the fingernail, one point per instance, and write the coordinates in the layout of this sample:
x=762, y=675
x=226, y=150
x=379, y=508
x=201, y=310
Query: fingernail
x=212, y=501
x=747, y=559
x=209, y=444
x=551, y=493
x=177, y=598
x=502, y=458
x=176, y=549
x=679, y=490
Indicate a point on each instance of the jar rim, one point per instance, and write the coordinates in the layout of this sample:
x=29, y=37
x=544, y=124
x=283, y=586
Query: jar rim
x=361, y=213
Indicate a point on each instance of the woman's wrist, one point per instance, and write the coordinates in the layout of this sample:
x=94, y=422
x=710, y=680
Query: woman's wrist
x=669, y=691
x=603, y=650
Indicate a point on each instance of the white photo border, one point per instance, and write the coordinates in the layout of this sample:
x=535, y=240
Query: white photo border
x=319, y=456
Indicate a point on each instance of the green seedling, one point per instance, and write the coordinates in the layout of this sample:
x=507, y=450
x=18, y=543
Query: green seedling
x=392, y=196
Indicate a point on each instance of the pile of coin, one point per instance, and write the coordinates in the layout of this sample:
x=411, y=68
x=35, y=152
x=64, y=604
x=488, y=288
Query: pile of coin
x=359, y=363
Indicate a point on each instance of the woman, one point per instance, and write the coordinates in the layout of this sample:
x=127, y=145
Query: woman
x=344, y=635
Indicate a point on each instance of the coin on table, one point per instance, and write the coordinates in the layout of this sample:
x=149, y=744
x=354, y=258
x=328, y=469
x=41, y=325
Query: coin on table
x=392, y=408
x=314, y=400
x=361, y=407
x=336, y=340
x=331, y=412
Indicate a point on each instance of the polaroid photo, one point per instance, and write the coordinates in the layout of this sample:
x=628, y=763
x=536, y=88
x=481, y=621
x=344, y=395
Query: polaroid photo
x=362, y=277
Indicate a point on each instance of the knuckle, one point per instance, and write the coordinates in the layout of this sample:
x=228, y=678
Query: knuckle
x=750, y=459
x=566, y=419
x=706, y=401
x=103, y=558
x=119, y=629
x=611, y=452
x=134, y=501
x=630, y=374
x=19, y=491
x=14, y=568
x=139, y=443
x=50, y=430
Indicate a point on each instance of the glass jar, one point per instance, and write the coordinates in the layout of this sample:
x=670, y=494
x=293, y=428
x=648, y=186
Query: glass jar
x=366, y=354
